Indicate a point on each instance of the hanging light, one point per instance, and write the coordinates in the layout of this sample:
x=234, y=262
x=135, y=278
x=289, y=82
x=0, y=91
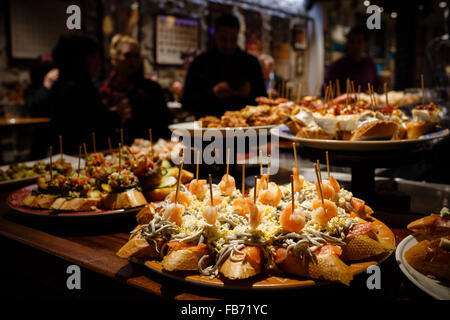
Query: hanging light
x=394, y=15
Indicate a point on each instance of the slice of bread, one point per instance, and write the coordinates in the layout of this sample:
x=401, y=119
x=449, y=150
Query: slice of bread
x=128, y=199
x=376, y=130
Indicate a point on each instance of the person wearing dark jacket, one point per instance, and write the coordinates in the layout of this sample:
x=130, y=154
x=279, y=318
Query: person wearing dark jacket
x=126, y=87
x=76, y=109
x=225, y=77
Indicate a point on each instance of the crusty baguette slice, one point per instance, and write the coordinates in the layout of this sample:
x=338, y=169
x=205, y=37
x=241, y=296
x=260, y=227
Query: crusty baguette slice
x=431, y=226
x=140, y=247
x=146, y=214
x=327, y=267
x=248, y=267
x=75, y=204
x=128, y=199
x=429, y=260
x=186, y=176
x=185, y=258
x=376, y=130
x=415, y=129
x=362, y=246
x=41, y=201
x=158, y=194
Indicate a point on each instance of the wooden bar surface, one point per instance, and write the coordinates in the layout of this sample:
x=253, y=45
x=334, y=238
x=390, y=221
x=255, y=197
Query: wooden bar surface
x=85, y=245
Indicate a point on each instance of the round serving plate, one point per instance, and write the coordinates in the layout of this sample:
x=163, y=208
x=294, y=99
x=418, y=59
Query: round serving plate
x=193, y=127
x=433, y=287
x=267, y=281
x=16, y=198
x=425, y=141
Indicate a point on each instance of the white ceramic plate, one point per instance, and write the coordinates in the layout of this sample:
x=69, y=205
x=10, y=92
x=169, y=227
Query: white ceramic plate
x=72, y=160
x=283, y=131
x=433, y=287
x=193, y=126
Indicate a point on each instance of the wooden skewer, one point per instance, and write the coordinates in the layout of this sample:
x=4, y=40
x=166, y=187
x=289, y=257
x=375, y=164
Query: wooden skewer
x=292, y=192
x=210, y=190
x=109, y=145
x=338, y=88
x=120, y=157
x=93, y=142
x=299, y=92
x=326, y=94
x=374, y=97
x=178, y=182
x=370, y=95
x=423, y=89
x=320, y=185
x=254, y=189
x=328, y=165
x=386, y=93
x=228, y=161
x=151, y=142
x=79, y=161
x=61, y=147
x=198, y=163
x=85, y=150
x=51, y=164
x=268, y=170
x=295, y=156
x=318, y=168
x=359, y=90
x=243, y=179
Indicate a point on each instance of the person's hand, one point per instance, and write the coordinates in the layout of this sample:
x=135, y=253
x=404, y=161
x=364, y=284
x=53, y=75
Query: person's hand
x=245, y=90
x=273, y=93
x=50, y=78
x=222, y=90
x=124, y=110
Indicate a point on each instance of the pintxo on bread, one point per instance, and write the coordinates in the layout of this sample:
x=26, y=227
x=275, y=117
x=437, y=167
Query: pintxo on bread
x=239, y=237
x=121, y=180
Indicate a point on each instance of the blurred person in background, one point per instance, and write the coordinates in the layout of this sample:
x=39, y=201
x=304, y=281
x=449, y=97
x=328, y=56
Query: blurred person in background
x=354, y=64
x=127, y=88
x=225, y=77
x=43, y=75
x=76, y=109
x=271, y=79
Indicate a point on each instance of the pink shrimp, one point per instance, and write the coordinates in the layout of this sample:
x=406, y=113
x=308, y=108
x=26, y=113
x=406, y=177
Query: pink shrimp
x=198, y=188
x=261, y=183
x=174, y=213
x=183, y=198
x=209, y=213
x=298, y=180
x=292, y=221
x=217, y=200
x=227, y=185
x=323, y=214
x=240, y=206
x=327, y=190
x=255, y=216
x=335, y=184
x=271, y=196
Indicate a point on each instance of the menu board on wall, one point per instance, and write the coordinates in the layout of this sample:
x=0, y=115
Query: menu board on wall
x=175, y=36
